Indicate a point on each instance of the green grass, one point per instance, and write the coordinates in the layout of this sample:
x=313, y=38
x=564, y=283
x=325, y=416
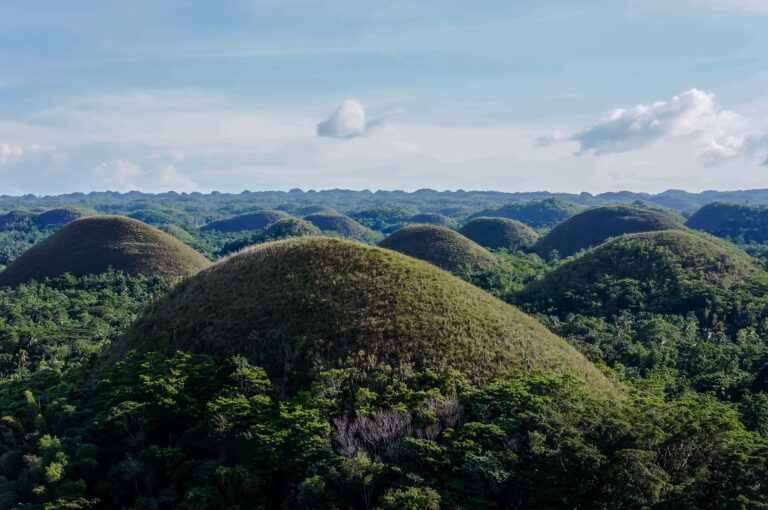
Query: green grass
x=440, y=246
x=500, y=233
x=315, y=209
x=673, y=271
x=301, y=306
x=94, y=244
x=594, y=226
x=257, y=220
x=432, y=218
x=61, y=216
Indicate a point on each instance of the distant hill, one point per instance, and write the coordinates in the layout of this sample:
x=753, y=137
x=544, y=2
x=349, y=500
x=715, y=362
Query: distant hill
x=340, y=224
x=432, y=218
x=301, y=306
x=440, y=246
x=61, y=216
x=257, y=220
x=283, y=229
x=594, y=226
x=537, y=214
x=500, y=233
x=94, y=244
x=742, y=222
x=315, y=209
x=16, y=219
x=673, y=271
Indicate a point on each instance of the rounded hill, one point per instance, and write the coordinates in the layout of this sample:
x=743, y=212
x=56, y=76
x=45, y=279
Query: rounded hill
x=315, y=209
x=16, y=219
x=743, y=222
x=673, y=271
x=536, y=213
x=342, y=225
x=500, y=233
x=432, y=218
x=301, y=306
x=283, y=229
x=594, y=226
x=257, y=220
x=61, y=216
x=440, y=246
x=94, y=244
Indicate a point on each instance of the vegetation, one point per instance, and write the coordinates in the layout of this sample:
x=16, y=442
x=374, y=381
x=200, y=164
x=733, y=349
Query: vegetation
x=594, y=226
x=431, y=218
x=320, y=373
x=537, y=214
x=341, y=225
x=93, y=245
x=283, y=229
x=500, y=233
x=440, y=246
x=305, y=305
x=67, y=320
x=741, y=223
x=258, y=220
x=57, y=218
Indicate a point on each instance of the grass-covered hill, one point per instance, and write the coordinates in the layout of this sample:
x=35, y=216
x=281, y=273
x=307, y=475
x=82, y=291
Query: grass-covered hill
x=340, y=224
x=61, y=216
x=537, y=213
x=300, y=306
x=314, y=209
x=669, y=272
x=257, y=220
x=93, y=245
x=500, y=233
x=440, y=246
x=16, y=219
x=283, y=229
x=742, y=222
x=594, y=226
x=432, y=218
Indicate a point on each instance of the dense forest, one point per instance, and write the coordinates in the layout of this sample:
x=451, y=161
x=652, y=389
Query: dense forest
x=387, y=350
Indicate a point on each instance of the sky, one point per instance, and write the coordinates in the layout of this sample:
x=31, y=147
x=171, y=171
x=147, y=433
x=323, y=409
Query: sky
x=524, y=95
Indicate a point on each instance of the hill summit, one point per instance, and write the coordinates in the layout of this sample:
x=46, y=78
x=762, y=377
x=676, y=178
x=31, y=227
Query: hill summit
x=594, y=226
x=673, y=271
x=94, y=244
x=304, y=305
x=500, y=233
x=440, y=246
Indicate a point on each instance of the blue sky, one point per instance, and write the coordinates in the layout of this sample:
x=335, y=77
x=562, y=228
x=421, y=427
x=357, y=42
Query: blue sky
x=563, y=95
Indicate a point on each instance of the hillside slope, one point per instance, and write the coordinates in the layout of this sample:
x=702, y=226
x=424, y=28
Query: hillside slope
x=440, y=246
x=300, y=306
x=94, y=244
x=500, y=233
x=594, y=226
x=742, y=222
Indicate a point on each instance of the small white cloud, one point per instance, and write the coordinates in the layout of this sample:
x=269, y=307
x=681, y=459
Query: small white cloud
x=10, y=153
x=349, y=121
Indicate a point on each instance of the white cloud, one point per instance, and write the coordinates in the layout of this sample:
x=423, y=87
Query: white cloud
x=694, y=118
x=121, y=175
x=10, y=153
x=349, y=121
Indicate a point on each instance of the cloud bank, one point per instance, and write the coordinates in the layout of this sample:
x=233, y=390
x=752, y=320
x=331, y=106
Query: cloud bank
x=349, y=121
x=10, y=153
x=692, y=117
